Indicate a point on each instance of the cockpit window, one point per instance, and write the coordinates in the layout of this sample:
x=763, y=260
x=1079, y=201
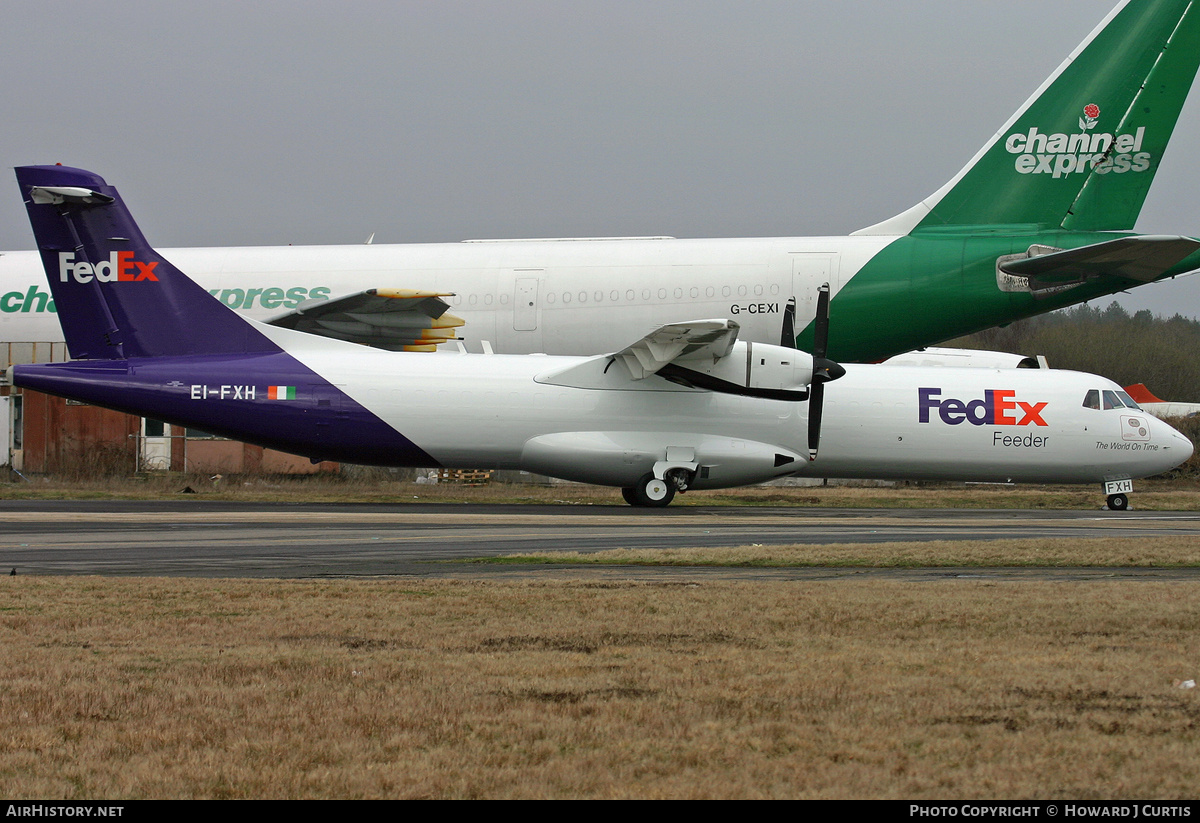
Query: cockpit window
x=1109, y=399
x=1116, y=400
x=1129, y=401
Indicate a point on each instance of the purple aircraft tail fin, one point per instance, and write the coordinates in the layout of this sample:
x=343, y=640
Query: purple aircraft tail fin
x=116, y=297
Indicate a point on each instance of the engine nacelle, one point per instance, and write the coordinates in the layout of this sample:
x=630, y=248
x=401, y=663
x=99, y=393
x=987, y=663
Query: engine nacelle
x=750, y=369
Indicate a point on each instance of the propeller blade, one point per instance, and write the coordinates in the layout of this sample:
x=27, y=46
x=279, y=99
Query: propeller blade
x=787, y=338
x=824, y=370
x=821, y=323
x=816, y=401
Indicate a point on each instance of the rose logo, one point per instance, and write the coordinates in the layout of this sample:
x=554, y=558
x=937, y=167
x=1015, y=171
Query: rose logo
x=1091, y=113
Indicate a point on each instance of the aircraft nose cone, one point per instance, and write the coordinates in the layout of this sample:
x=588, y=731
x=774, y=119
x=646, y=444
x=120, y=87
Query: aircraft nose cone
x=1177, y=448
x=1181, y=446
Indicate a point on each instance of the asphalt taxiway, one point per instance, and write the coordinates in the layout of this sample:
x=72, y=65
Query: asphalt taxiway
x=222, y=539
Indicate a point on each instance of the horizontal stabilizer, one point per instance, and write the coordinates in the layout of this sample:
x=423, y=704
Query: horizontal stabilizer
x=1143, y=258
x=392, y=319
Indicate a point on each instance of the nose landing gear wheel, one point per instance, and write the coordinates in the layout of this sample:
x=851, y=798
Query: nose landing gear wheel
x=651, y=492
x=1118, y=502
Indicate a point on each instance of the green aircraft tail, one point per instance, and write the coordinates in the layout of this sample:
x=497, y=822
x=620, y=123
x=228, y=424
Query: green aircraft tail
x=1083, y=150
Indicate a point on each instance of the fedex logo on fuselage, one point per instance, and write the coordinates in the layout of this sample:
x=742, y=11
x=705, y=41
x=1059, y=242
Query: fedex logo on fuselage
x=119, y=267
x=997, y=407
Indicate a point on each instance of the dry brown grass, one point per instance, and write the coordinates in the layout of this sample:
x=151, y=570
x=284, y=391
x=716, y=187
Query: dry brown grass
x=963, y=689
x=1146, y=551
x=1149, y=495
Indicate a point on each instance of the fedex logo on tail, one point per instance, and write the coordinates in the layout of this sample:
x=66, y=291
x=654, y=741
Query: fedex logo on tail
x=119, y=267
x=997, y=407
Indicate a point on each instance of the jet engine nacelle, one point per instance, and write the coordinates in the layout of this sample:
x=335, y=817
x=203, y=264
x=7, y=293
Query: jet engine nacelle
x=751, y=369
x=621, y=458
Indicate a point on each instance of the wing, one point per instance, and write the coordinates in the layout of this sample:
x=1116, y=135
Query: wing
x=702, y=354
x=1143, y=258
x=698, y=340
x=393, y=319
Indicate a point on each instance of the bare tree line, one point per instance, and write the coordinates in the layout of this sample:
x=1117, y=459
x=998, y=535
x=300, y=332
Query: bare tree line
x=1139, y=348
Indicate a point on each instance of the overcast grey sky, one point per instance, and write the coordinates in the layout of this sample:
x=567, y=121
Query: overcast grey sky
x=250, y=123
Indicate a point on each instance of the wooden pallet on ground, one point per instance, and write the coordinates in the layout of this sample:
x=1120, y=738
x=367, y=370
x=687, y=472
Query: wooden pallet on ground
x=465, y=477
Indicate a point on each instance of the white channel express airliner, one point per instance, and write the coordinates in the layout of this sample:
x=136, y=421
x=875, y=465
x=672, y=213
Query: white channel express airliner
x=1040, y=218
x=689, y=406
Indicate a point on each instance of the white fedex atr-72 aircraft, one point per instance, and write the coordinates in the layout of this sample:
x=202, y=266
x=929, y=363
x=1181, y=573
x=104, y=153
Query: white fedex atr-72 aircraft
x=689, y=406
x=1040, y=218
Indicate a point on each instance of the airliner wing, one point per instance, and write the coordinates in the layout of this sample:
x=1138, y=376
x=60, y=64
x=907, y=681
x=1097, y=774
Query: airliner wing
x=698, y=340
x=393, y=319
x=701, y=354
x=1144, y=258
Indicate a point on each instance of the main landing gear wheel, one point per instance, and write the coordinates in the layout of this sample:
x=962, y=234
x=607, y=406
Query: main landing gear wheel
x=650, y=491
x=1118, y=502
